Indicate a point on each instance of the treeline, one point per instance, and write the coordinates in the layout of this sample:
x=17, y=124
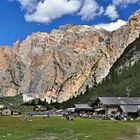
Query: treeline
x=38, y=101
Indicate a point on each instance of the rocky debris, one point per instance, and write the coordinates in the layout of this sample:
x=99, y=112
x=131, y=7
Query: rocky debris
x=64, y=63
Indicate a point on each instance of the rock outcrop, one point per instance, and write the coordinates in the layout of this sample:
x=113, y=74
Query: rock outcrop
x=64, y=63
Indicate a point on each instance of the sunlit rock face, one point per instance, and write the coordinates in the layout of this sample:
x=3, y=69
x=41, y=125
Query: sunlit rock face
x=64, y=63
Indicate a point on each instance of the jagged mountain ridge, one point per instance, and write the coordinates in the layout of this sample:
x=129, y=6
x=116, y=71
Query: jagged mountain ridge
x=123, y=79
x=124, y=75
x=64, y=63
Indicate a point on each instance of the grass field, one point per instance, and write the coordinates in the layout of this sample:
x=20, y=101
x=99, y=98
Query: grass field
x=54, y=128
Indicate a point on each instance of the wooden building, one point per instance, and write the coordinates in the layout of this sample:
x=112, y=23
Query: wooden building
x=112, y=105
x=131, y=110
x=83, y=108
x=9, y=111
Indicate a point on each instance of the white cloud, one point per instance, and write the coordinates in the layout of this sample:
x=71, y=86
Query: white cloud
x=90, y=9
x=111, y=26
x=111, y=12
x=124, y=2
x=48, y=10
x=44, y=11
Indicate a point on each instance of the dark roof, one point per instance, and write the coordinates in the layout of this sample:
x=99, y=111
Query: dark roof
x=120, y=100
x=129, y=108
x=136, y=100
x=109, y=100
x=83, y=106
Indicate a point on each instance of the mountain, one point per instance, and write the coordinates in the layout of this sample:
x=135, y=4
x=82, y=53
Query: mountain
x=124, y=76
x=123, y=79
x=65, y=63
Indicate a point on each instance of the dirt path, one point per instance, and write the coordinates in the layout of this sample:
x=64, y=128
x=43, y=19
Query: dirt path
x=135, y=137
x=48, y=136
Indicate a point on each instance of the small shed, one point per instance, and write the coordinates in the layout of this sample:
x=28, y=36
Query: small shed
x=10, y=111
x=83, y=108
x=6, y=111
x=15, y=112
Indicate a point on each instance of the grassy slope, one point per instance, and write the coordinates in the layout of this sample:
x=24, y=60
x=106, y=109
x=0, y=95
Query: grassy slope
x=13, y=128
x=16, y=100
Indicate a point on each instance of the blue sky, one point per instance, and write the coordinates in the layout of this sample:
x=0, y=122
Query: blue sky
x=19, y=18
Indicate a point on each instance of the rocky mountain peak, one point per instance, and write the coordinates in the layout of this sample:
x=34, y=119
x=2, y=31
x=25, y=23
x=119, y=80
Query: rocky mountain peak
x=64, y=63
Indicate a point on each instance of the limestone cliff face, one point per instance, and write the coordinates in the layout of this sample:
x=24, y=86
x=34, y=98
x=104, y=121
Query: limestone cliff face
x=64, y=63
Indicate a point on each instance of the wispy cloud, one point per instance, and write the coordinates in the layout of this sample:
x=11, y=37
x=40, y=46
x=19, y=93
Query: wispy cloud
x=111, y=9
x=90, y=9
x=111, y=12
x=124, y=2
x=27, y=5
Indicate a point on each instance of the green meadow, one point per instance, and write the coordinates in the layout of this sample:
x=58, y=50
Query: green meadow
x=54, y=128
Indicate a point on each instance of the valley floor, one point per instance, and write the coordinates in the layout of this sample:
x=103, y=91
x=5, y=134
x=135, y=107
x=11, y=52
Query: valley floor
x=54, y=128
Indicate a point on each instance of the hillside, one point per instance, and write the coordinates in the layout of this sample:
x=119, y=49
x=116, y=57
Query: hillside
x=123, y=78
x=65, y=63
x=16, y=100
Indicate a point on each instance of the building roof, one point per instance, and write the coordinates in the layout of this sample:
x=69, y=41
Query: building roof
x=129, y=108
x=136, y=100
x=10, y=108
x=83, y=106
x=120, y=100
